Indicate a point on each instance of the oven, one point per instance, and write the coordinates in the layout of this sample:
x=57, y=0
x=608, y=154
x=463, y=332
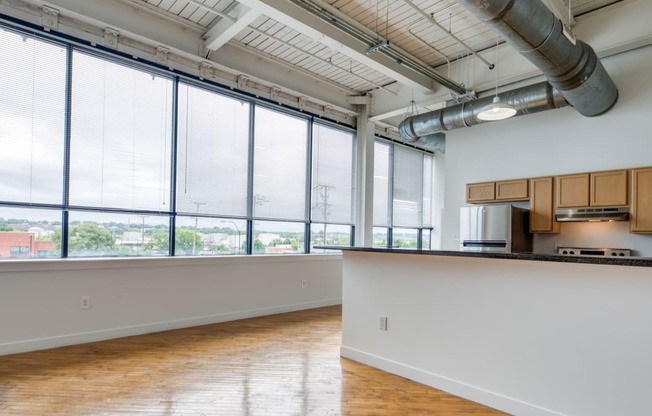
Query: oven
x=603, y=252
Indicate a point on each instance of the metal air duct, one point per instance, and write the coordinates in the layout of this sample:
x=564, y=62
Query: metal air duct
x=526, y=100
x=572, y=68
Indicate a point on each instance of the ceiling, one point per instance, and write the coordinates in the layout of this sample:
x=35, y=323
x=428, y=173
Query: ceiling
x=427, y=52
x=433, y=34
x=405, y=23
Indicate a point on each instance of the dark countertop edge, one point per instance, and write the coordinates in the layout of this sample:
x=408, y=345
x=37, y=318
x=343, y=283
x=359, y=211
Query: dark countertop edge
x=612, y=261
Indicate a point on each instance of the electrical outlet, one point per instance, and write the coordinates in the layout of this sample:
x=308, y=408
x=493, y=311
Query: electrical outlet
x=304, y=283
x=382, y=323
x=85, y=302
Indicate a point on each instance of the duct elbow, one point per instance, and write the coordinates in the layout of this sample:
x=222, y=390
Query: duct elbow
x=434, y=142
x=596, y=95
x=572, y=68
x=406, y=130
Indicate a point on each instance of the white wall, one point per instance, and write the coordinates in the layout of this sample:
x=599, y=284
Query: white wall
x=558, y=142
x=527, y=337
x=39, y=300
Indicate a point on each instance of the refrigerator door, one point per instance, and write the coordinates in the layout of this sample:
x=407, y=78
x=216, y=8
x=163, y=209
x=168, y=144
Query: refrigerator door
x=488, y=224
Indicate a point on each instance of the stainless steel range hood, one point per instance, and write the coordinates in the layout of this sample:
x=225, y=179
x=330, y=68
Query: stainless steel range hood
x=592, y=214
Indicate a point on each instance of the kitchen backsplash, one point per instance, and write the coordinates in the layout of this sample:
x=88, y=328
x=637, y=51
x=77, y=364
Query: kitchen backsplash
x=595, y=234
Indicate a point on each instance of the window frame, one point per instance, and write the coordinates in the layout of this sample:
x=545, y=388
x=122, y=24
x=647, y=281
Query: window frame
x=390, y=227
x=171, y=213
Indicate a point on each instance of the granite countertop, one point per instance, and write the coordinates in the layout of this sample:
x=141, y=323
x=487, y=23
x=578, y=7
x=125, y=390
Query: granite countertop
x=613, y=261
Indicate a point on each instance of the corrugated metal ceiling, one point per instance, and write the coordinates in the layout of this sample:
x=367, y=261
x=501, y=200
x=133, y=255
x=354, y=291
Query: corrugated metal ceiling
x=395, y=20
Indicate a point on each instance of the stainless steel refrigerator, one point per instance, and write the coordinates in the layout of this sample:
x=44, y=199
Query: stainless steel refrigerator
x=495, y=228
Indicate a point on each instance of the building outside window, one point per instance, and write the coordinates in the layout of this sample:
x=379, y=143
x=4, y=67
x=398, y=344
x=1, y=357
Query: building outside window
x=19, y=251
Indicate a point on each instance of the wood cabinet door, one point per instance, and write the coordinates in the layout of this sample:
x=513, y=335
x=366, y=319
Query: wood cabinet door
x=609, y=188
x=572, y=190
x=480, y=192
x=516, y=190
x=641, y=221
x=542, y=206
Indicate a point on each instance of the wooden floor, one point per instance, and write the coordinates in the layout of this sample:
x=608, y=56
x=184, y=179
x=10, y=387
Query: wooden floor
x=286, y=364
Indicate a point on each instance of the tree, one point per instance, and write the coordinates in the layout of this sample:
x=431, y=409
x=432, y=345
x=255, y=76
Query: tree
x=275, y=242
x=5, y=228
x=158, y=242
x=259, y=247
x=183, y=242
x=87, y=238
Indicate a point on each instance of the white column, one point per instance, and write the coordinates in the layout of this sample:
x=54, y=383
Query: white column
x=364, y=182
x=438, y=183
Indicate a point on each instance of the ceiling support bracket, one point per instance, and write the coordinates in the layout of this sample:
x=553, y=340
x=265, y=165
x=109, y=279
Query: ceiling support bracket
x=50, y=18
x=303, y=103
x=162, y=55
x=273, y=93
x=111, y=38
x=242, y=82
x=205, y=70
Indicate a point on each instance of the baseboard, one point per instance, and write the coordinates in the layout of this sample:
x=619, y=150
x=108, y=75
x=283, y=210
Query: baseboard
x=488, y=398
x=112, y=333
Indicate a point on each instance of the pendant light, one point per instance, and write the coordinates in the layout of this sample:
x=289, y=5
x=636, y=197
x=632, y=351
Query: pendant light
x=497, y=110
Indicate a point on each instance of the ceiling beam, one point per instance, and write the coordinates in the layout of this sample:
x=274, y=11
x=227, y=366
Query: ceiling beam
x=320, y=31
x=226, y=29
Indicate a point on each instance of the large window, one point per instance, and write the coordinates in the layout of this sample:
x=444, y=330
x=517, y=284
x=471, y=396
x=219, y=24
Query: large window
x=94, y=234
x=332, y=167
x=382, y=183
x=332, y=186
x=106, y=157
x=206, y=236
x=213, y=153
x=29, y=232
x=275, y=237
x=280, y=157
x=120, y=136
x=32, y=119
x=402, y=196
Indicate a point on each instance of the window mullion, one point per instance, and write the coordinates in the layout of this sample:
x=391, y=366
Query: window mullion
x=390, y=196
x=173, y=165
x=65, y=228
x=309, y=162
x=250, y=181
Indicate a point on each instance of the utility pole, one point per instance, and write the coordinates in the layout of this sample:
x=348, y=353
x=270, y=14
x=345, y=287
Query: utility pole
x=323, y=191
x=194, y=234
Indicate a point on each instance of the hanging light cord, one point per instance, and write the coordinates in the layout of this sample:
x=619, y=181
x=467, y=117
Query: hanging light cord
x=496, y=65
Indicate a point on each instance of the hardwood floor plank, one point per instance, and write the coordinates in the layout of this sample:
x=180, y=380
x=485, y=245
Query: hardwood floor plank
x=285, y=364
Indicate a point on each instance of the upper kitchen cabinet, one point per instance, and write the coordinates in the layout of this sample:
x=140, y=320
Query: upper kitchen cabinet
x=598, y=189
x=480, y=192
x=641, y=221
x=512, y=190
x=542, y=206
x=515, y=190
x=609, y=189
x=572, y=190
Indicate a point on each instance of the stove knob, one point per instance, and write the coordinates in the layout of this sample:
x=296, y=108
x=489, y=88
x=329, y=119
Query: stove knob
x=622, y=254
x=564, y=252
x=571, y=252
x=616, y=254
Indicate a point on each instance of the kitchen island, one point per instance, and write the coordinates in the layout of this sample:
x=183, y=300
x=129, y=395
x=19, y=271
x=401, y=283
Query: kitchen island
x=529, y=334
